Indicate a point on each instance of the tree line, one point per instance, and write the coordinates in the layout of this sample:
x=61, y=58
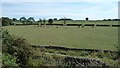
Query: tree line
x=7, y=21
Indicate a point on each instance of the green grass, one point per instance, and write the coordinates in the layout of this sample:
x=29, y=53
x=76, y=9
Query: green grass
x=87, y=37
x=83, y=22
x=89, y=22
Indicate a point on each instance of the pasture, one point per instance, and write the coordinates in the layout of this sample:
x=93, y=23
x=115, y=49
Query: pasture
x=90, y=22
x=87, y=37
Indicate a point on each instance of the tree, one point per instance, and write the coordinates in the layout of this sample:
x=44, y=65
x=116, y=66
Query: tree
x=39, y=22
x=64, y=21
x=68, y=19
x=55, y=18
x=109, y=19
x=30, y=20
x=23, y=20
x=44, y=21
x=50, y=21
x=14, y=20
x=87, y=18
x=6, y=21
x=104, y=19
x=115, y=20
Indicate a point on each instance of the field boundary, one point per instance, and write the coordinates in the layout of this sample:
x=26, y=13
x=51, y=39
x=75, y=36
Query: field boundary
x=98, y=25
x=76, y=49
x=77, y=61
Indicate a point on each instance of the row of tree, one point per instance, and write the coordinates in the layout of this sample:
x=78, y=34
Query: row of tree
x=111, y=19
x=7, y=21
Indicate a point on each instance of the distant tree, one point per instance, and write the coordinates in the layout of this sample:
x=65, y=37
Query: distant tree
x=39, y=22
x=109, y=19
x=30, y=20
x=64, y=21
x=116, y=19
x=6, y=21
x=104, y=19
x=50, y=21
x=23, y=20
x=87, y=18
x=44, y=21
x=55, y=18
x=14, y=20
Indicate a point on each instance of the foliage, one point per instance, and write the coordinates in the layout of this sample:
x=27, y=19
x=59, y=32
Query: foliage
x=16, y=46
x=23, y=20
x=46, y=59
x=6, y=21
x=30, y=20
x=87, y=18
x=64, y=21
x=8, y=60
x=118, y=49
x=44, y=21
x=40, y=20
x=55, y=19
x=107, y=57
x=14, y=19
x=68, y=19
x=50, y=21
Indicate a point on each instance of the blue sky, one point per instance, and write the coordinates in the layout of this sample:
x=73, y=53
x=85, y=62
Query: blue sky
x=74, y=10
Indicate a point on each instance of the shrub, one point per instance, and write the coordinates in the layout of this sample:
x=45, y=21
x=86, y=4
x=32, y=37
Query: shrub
x=118, y=49
x=100, y=54
x=6, y=21
x=16, y=46
x=8, y=60
x=84, y=53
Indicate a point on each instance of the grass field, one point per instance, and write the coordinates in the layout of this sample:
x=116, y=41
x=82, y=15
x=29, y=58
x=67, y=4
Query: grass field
x=83, y=22
x=87, y=37
x=89, y=22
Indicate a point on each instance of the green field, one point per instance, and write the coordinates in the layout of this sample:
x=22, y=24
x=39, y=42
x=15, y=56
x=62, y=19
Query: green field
x=87, y=37
x=90, y=22
x=83, y=22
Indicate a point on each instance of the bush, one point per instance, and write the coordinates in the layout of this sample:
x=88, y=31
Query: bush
x=16, y=46
x=118, y=49
x=8, y=60
x=6, y=21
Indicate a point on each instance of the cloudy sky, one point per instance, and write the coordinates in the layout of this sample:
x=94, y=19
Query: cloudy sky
x=75, y=9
